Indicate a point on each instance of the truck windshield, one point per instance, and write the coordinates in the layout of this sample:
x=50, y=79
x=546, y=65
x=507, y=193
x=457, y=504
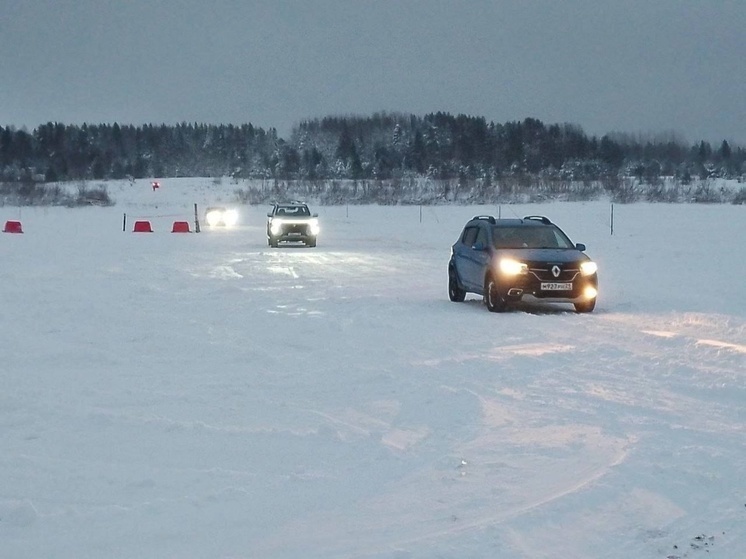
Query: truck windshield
x=293, y=211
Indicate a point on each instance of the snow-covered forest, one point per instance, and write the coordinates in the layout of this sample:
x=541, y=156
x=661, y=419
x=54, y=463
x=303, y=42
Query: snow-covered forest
x=381, y=147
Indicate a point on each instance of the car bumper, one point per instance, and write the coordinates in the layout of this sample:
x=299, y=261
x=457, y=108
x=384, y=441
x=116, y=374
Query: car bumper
x=584, y=289
x=293, y=237
x=529, y=298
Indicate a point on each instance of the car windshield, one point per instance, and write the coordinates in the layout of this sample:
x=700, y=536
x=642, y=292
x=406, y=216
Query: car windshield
x=293, y=211
x=529, y=237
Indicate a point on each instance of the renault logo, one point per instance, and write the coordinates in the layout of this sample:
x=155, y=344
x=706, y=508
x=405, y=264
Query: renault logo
x=556, y=271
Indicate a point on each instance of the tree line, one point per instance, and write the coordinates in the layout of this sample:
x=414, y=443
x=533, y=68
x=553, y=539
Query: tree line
x=383, y=146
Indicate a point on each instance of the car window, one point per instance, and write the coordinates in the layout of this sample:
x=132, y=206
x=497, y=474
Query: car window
x=482, y=237
x=470, y=236
x=294, y=211
x=529, y=237
x=506, y=237
x=561, y=239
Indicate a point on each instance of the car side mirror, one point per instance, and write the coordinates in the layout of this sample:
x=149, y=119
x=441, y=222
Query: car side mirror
x=580, y=247
x=269, y=215
x=315, y=215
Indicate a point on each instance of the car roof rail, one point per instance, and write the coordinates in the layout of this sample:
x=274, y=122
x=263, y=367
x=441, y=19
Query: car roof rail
x=489, y=218
x=545, y=220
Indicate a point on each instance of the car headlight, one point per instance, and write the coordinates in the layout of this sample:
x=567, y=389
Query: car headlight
x=588, y=268
x=230, y=217
x=213, y=217
x=511, y=267
x=314, y=227
x=275, y=226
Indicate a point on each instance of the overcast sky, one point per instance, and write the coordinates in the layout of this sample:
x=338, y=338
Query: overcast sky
x=637, y=66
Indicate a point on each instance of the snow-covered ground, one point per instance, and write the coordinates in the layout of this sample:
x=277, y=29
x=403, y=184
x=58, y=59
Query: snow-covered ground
x=204, y=396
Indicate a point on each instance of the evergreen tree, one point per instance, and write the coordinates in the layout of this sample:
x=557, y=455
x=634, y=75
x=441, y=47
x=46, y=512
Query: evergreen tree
x=725, y=151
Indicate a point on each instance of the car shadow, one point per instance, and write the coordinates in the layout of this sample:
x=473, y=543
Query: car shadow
x=292, y=246
x=525, y=307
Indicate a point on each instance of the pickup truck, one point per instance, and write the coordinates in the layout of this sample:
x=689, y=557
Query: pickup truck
x=292, y=222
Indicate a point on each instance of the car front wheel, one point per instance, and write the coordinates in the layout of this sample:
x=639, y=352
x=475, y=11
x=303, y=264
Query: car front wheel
x=492, y=298
x=455, y=293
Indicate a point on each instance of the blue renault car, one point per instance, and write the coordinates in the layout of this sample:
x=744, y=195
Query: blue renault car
x=511, y=260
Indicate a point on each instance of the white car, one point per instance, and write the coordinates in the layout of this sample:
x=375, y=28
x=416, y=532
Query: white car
x=292, y=222
x=221, y=217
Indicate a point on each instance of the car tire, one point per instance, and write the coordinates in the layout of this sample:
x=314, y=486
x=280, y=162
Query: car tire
x=273, y=242
x=455, y=292
x=585, y=306
x=492, y=298
x=311, y=242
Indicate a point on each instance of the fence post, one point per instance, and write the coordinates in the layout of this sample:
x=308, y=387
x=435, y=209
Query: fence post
x=612, y=218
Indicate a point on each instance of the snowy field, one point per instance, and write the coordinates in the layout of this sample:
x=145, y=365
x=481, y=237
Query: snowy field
x=203, y=396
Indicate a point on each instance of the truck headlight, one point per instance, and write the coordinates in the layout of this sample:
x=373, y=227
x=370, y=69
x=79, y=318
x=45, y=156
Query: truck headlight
x=276, y=226
x=313, y=226
x=230, y=217
x=511, y=267
x=588, y=268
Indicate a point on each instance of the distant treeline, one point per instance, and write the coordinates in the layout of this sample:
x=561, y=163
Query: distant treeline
x=384, y=146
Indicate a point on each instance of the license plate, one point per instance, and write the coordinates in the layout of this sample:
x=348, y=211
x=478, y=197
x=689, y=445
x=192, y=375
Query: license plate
x=547, y=286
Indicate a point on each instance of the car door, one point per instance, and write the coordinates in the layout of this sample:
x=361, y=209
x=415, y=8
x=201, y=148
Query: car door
x=460, y=254
x=479, y=258
x=471, y=257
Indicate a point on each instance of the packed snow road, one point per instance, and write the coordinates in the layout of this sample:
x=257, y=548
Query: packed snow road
x=205, y=395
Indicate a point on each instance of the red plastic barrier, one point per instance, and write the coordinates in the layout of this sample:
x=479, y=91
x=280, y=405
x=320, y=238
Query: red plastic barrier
x=142, y=227
x=180, y=227
x=12, y=227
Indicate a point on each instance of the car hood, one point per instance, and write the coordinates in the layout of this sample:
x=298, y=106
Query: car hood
x=550, y=255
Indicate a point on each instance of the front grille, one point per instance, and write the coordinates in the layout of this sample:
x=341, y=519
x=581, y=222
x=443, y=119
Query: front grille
x=545, y=274
x=291, y=229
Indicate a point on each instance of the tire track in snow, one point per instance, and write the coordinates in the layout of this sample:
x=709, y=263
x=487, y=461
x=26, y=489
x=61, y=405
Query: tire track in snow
x=637, y=368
